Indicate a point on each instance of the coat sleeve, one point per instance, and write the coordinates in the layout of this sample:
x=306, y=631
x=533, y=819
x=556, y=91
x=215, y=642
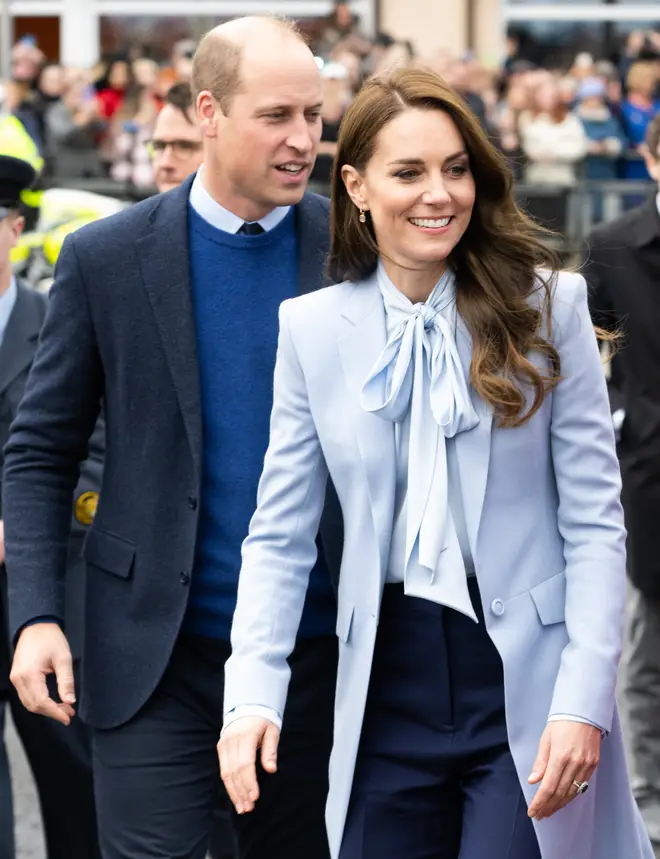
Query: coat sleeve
x=48, y=441
x=280, y=549
x=590, y=515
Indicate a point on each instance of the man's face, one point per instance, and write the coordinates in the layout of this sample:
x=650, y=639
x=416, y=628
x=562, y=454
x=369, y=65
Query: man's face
x=11, y=229
x=262, y=150
x=176, y=147
x=24, y=63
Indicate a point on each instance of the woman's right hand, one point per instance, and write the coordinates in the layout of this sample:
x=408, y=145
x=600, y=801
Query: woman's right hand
x=237, y=752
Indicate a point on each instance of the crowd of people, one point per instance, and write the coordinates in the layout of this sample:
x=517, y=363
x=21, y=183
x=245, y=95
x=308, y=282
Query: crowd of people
x=555, y=125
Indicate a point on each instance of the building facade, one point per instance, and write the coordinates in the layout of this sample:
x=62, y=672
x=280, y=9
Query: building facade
x=77, y=32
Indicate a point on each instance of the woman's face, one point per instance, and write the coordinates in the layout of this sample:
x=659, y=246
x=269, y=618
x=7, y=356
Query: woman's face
x=51, y=82
x=417, y=187
x=548, y=97
x=119, y=76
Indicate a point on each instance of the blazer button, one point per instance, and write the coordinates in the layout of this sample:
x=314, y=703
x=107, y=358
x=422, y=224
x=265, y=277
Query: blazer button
x=497, y=607
x=185, y=578
x=192, y=503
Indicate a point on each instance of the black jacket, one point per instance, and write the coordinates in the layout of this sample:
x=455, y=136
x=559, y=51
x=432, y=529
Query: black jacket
x=623, y=271
x=120, y=328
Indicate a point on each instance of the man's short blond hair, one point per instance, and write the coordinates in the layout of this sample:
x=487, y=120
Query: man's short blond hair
x=217, y=61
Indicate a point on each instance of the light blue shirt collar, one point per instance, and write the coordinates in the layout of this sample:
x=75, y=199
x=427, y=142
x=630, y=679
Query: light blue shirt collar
x=7, y=304
x=222, y=219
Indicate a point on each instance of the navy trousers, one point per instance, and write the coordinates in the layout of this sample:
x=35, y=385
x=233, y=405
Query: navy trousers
x=434, y=777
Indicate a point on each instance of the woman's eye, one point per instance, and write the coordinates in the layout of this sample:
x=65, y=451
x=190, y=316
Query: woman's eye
x=407, y=175
x=458, y=170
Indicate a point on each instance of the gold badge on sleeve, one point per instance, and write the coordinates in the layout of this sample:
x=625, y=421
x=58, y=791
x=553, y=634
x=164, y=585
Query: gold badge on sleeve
x=86, y=507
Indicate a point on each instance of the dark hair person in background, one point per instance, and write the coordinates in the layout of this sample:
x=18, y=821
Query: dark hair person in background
x=453, y=391
x=622, y=267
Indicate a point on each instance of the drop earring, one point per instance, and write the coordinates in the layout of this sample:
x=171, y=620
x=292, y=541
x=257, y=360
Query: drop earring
x=363, y=217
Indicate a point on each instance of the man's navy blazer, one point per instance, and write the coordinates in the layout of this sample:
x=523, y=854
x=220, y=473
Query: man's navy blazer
x=120, y=332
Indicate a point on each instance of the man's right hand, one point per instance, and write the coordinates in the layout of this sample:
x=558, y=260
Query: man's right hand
x=42, y=649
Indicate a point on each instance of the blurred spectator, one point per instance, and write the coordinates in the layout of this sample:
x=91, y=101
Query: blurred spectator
x=507, y=117
x=26, y=61
x=180, y=68
x=352, y=63
x=73, y=130
x=608, y=73
x=582, y=68
x=337, y=96
x=146, y=74
x=20, y=101
x=396, y=54
x=176, y=145
x=554, y=143
x=634, y=45
x=637, y=111
x=113, y=87
x=131, y=132
x=340, y=28
x=49, y=89
x=606, y=137
x=552, y=138
x=50, y=83
x=463, y=75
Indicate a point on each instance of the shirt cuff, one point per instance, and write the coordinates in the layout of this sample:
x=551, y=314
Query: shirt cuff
x=255, y=710
x=562, y=717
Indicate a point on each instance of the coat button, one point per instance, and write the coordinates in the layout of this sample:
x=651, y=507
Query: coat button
x=497, y=607
x=192, y=503
x=185, y=578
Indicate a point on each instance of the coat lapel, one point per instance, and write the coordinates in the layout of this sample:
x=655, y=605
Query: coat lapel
x=19, y=342
x=164, y=260
x=364, y=339
x=473, y=447
x=313, y=232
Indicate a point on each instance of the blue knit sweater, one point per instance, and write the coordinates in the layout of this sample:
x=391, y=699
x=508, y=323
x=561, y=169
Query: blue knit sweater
x=238, y=283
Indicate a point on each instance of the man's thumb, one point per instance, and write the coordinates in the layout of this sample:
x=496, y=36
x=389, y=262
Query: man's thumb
x=269, y=749
x=64, y=674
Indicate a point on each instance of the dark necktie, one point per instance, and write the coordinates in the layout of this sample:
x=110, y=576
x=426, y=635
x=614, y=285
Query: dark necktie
x=251, y=229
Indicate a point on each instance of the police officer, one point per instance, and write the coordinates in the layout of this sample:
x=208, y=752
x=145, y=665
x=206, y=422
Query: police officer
x=60, y=757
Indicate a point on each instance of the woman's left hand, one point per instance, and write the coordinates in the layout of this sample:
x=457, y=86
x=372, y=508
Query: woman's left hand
x=569, y=752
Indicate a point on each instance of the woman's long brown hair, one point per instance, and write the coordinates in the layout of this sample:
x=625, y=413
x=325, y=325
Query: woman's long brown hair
x=501, y=295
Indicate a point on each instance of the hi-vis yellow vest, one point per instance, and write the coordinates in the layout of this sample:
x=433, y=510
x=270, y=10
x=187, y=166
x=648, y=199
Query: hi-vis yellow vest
x=16, y=142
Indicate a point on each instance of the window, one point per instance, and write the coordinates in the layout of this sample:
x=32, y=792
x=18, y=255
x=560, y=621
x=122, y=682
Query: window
x=555, y=44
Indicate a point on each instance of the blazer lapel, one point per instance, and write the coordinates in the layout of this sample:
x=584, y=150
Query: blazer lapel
x=313, y=231
x=19, y=342
x=364, y=339
x=473, y=447
x=164, y=259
